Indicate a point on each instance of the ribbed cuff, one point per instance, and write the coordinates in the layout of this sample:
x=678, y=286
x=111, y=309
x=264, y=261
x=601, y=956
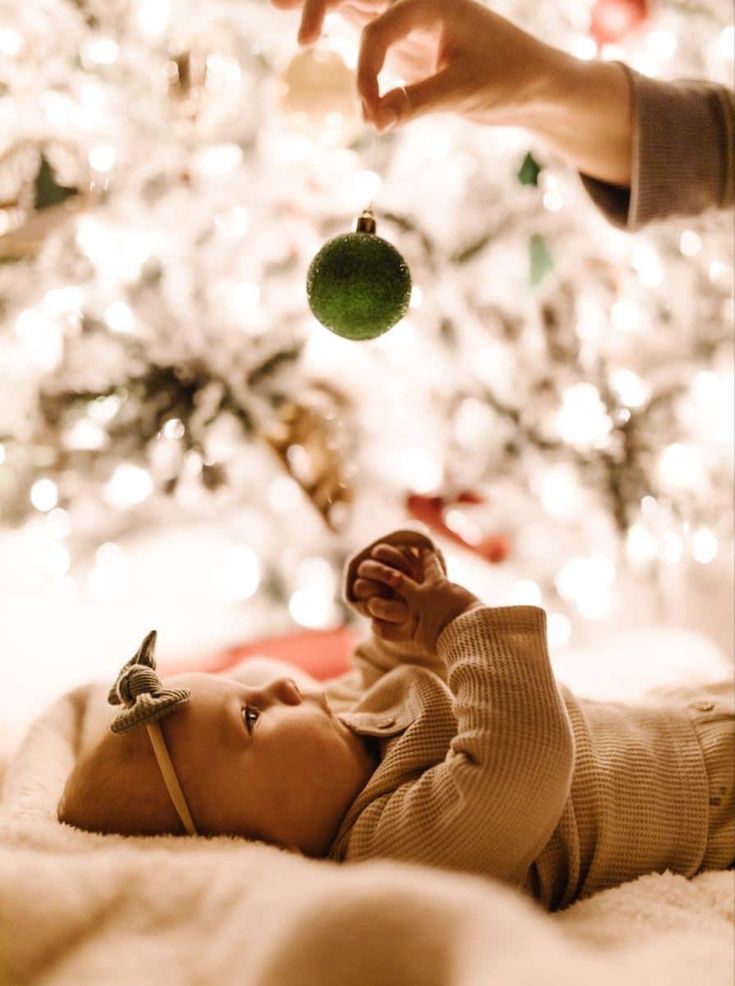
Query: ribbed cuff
x=498, y=619
x=682, y=161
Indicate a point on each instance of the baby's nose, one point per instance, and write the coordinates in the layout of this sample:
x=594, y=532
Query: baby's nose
x=284, y=690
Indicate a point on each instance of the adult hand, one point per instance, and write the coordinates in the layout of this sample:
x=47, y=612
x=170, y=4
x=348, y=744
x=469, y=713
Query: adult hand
x=459, y=56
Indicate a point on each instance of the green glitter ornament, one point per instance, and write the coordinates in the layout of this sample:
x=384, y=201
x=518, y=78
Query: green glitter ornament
x=358, y=284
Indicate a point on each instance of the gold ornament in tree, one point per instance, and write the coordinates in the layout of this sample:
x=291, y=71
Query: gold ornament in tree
x=42, y=185
x=309, y=438
x=203, y=87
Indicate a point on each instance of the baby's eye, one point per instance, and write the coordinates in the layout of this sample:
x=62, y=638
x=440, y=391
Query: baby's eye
x=250, y=717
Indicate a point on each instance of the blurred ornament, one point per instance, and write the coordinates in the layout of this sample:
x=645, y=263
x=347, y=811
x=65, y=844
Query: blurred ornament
x=436, y=512
x=186, y=72
x=42, y=185
x=612, y=20
x=204, y=88
x=358, y=284
x=318, y=97
x=311, y=446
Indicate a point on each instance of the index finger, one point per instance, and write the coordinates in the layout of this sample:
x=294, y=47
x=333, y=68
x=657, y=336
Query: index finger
x=312, y=19
x=395, y=23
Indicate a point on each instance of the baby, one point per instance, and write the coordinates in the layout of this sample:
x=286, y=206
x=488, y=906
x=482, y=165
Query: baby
x=448, y=743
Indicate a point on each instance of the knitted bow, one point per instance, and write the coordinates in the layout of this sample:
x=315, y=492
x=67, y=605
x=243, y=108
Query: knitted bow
x=139, y=689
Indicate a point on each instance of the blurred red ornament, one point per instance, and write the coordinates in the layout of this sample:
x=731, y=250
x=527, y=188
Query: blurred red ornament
x=613, y=20
x=431, y=511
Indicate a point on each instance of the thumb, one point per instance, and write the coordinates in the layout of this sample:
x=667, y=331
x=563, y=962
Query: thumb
x=405, y=103
x=433, y=570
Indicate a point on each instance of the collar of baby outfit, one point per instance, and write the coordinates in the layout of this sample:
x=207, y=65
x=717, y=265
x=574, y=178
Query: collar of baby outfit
x=144, y=699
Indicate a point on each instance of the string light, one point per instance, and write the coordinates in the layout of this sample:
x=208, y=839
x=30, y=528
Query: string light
x=153, y=16
x=704, y=546
x=101, y=51
x=173, y=429
x=11, y=43
x=558, y=630
x=641, y=546
x=233, y=223
x=240, y=572
x=630, y=388
x=102, y=157
x=680, y=467
x=119, y=317
x=690, y=243
x=587, y=581
x=128, y=486
x=525, y=592
x=583, y=420
x=312, y=603
x=646, y=262
x=58, y=523
x=44, y=495
x=214, y=162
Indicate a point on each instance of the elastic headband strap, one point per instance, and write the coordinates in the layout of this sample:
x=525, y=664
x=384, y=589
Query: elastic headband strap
x=169, y=777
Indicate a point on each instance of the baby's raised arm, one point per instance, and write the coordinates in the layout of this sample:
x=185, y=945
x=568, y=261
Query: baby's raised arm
x=423, y=600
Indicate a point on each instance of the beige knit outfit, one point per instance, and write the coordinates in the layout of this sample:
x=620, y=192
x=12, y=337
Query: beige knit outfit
x=486, y=764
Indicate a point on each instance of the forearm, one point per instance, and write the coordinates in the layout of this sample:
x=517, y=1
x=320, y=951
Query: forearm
x=583, y=111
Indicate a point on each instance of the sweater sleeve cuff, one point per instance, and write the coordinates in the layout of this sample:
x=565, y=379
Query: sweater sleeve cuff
x=498, y=619
x=682, y=161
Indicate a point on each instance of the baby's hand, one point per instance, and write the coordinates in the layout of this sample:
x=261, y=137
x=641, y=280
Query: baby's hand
x=407, y=595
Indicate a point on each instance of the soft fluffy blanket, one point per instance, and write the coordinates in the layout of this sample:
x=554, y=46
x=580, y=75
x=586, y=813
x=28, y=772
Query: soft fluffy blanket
x=78, y=909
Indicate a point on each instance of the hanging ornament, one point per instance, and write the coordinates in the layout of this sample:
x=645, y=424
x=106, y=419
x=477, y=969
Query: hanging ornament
x=358, y=284
x=309, y=438
x=613, y=20
x=318, y=97
x=433, y=510
x=42, y=185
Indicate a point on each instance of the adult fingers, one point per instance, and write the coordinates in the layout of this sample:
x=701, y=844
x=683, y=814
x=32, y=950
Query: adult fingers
x=408, y=102
x=393, y=24
x=312, y=19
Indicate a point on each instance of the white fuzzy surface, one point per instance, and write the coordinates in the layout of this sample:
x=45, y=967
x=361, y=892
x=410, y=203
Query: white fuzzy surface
x=81, y=909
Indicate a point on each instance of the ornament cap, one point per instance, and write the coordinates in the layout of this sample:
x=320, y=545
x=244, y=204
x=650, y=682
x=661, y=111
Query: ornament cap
x=366, y=222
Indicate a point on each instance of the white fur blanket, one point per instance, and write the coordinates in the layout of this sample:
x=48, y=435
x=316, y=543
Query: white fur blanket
x=79, y=909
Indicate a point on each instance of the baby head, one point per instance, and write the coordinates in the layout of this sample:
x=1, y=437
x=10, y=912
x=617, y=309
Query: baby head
x=270, y=763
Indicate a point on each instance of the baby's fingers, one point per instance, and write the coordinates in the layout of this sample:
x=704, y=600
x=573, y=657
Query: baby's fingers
x=364, y=588
x=387, y=610
x=377, y=572
x=395, y=557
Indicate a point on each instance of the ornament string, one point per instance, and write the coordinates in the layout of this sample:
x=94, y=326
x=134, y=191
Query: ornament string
x=373, y=165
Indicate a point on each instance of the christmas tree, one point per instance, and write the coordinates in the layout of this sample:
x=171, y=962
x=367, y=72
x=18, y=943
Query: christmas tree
x=556, y=405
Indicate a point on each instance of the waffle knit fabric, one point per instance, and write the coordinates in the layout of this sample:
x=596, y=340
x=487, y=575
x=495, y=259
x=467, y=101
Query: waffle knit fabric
x=683, y=159
x=489, y=766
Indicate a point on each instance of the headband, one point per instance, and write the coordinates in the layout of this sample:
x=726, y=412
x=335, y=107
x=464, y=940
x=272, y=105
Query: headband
x=138, y=688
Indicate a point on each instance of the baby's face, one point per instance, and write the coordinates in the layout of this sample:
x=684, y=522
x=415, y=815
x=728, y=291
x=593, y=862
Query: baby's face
x=269, y=763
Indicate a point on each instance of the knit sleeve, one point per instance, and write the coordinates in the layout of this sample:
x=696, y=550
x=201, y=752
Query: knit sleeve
x=682, y=163
x=495, y=800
